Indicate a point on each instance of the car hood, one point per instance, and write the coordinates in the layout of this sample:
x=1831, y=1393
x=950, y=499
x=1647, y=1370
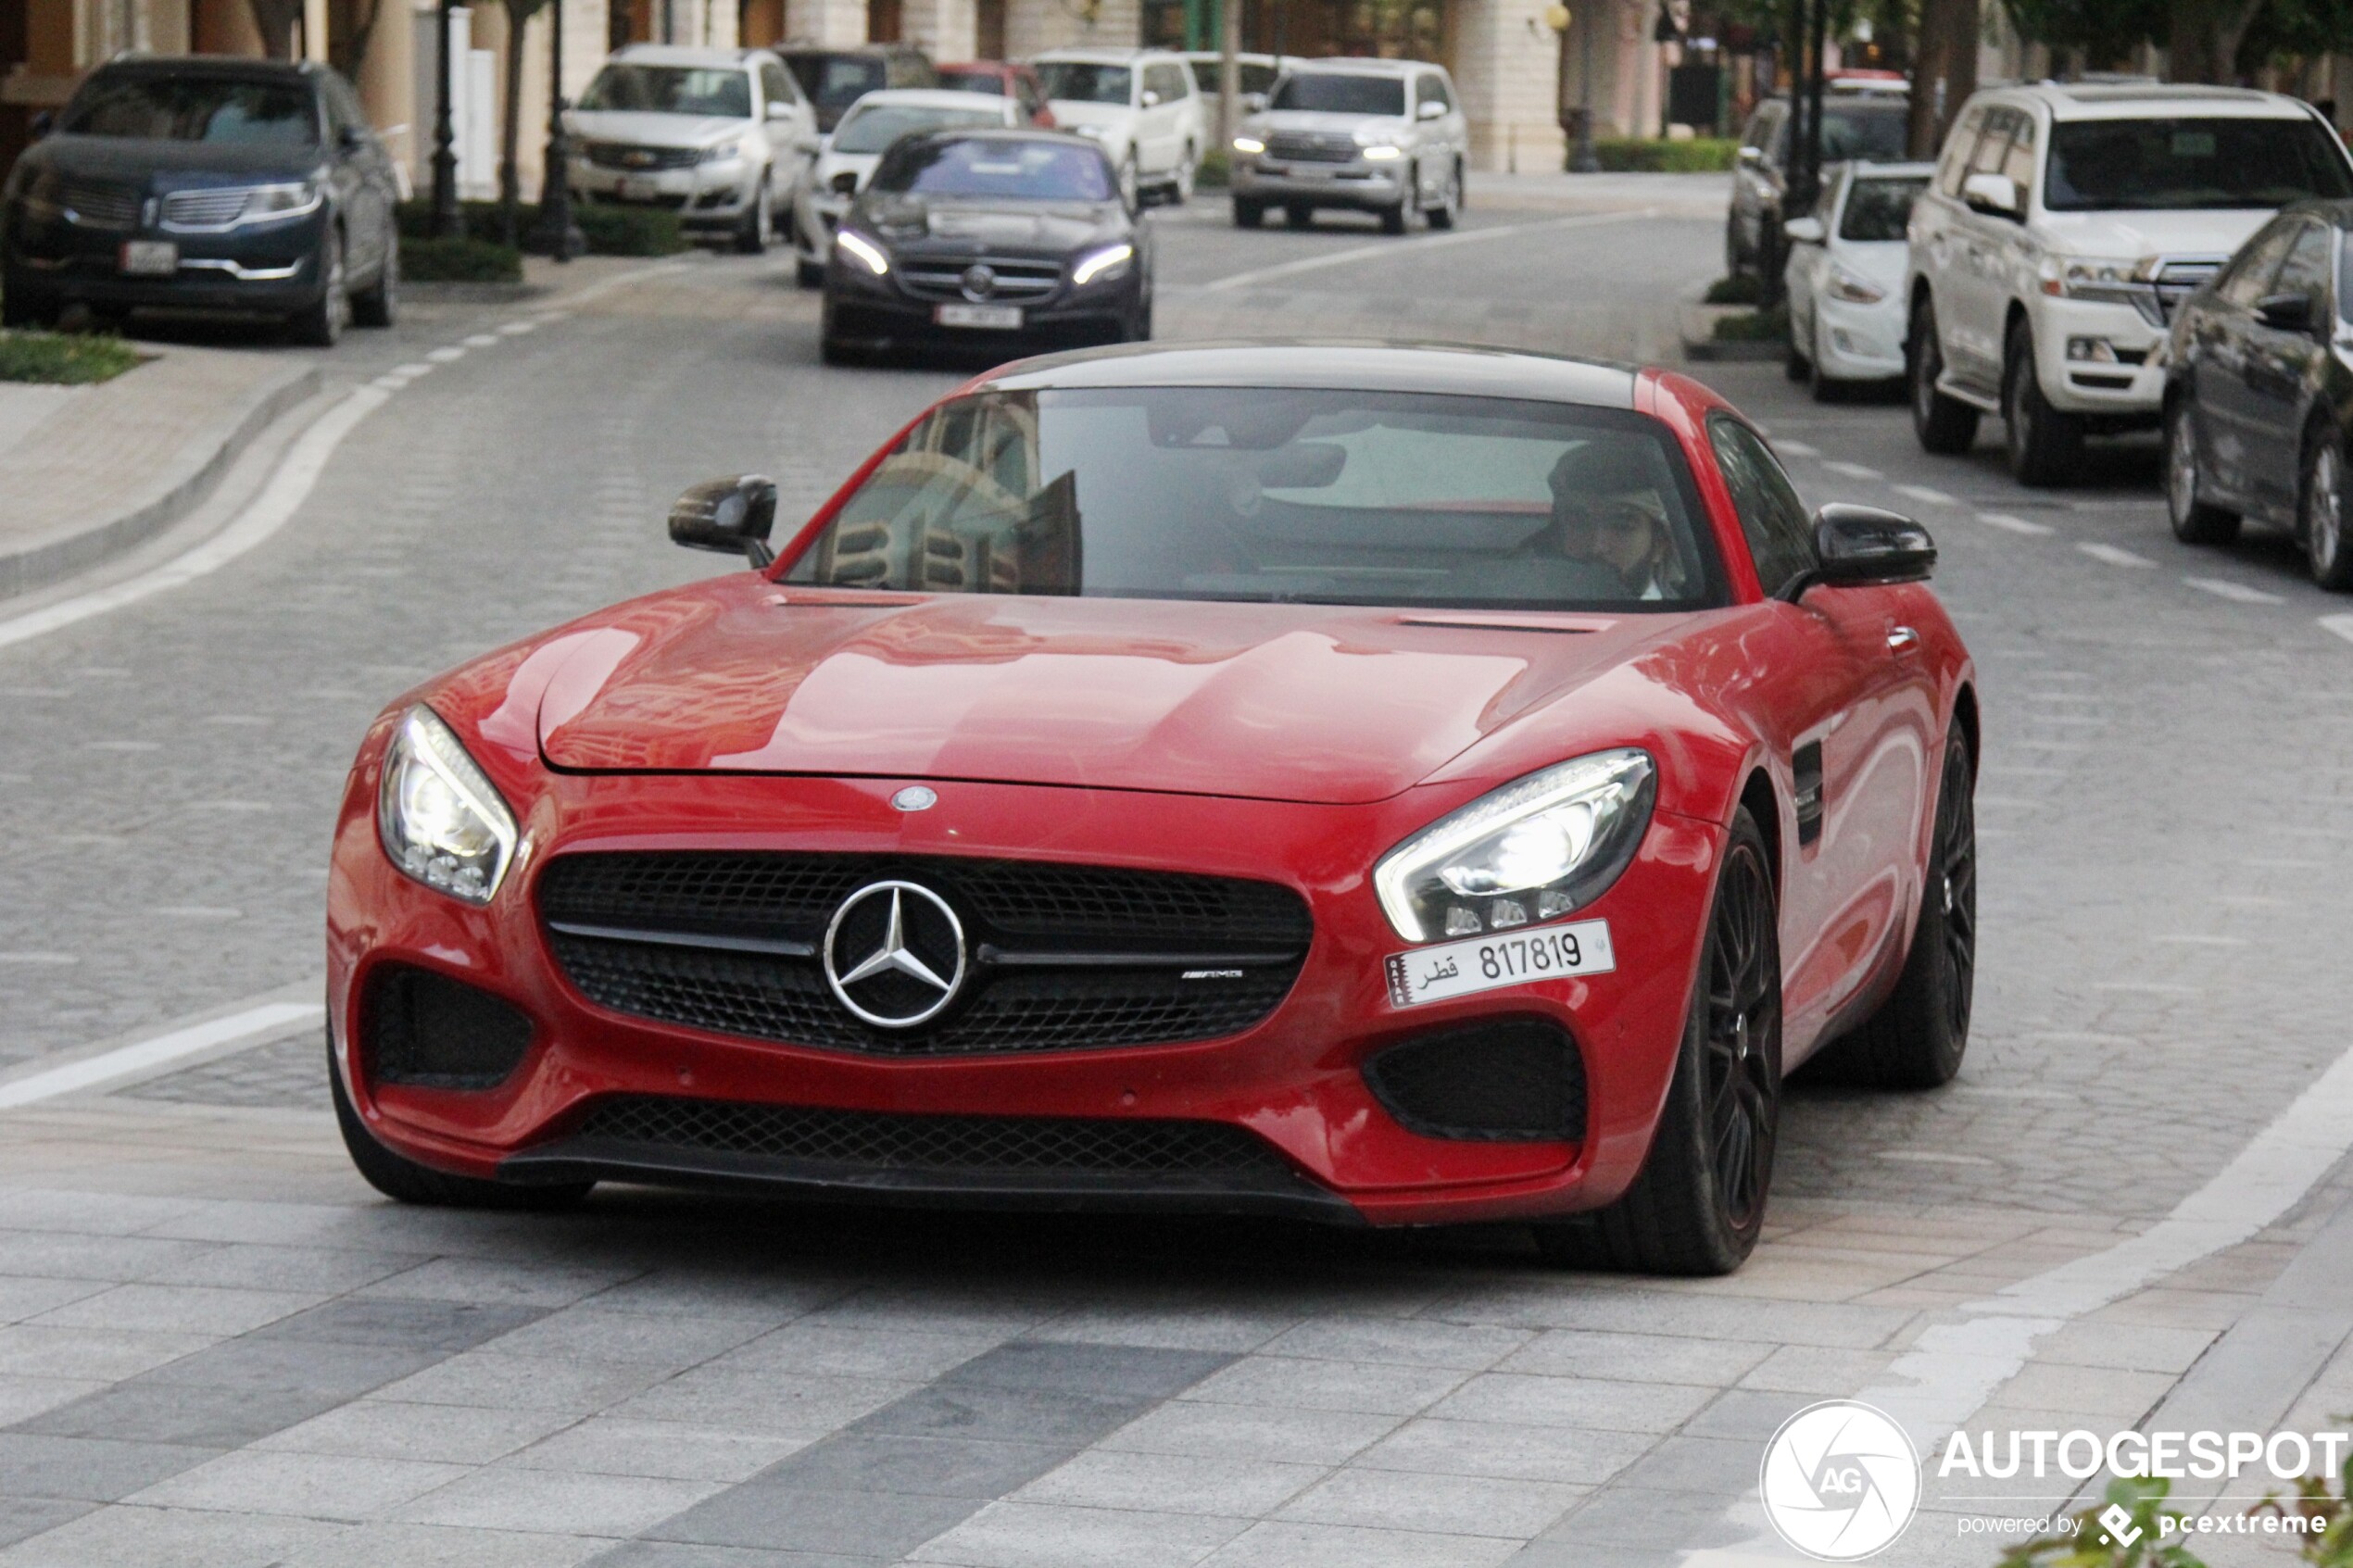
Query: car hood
x=644, y=129
x=1319, y=122
x=137, y=159
x=1279, y=702
x=943, y=225
x=830, y=163
x=2217, y=232
x=1881, y=261
x=1072, y=113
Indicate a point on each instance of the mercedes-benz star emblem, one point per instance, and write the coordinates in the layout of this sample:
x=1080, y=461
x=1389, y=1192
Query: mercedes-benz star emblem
x=916, y=797
x=979, y=280
x=894, y=954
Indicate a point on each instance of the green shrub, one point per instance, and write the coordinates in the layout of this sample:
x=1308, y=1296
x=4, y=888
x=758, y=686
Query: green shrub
x=460, y=261
x=1216, y=172
x=1753, y=326
x=69, y=358
x=1703, y=155
x=610, y=230
x=1740, y=288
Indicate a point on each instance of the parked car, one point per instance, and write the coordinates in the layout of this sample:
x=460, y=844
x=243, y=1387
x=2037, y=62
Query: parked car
x=205, y=184
x=1861, y=121
x=1844, y=281
x=2258, y=401
x=1017, y=82
x=856, y=144
x=1381, y=136
x=995, y=240
x=2064, y=224
x=1375, y=785
x=835, y=79
x=721, y=137
x=1139, y=105
x=1258, y=74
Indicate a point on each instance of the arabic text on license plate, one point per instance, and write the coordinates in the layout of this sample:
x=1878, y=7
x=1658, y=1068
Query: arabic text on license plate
x=1508, y=957
x=150, y=258
x=1002, y=316
x=639, y=187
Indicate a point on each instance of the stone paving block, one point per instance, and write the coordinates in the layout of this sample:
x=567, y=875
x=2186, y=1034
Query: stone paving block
x=1818, y=1371
x=390, y=1429
x=22, y=1397
x=1093, y=1371
x=554, y=1502
x=253, y=1266
x=1574, y=1401
x=139, y=1410
x=753, y=1293
x=800, y=1348
x=2141, y=1347
x=850, y=1524
x=88, y=1214
x=1465, y=1505
x=1635, y=1358
x=1220, y=1327
x=442, y=1326
x=1628, y=1516
x=776, y=1404
x=1719, y=1468
x=861, y=1459
x=380, y=1544
x=88, y=1469
x=1411, y=1341
x=26, y=1297
x=23, y=1518
x=1252, y=1432
x=1290, y=1383
x=106, y=1353
x=1183, y=1483
x=1019, y=1534
x=261, y=1361
x=1749, y=1413
x=127, y=1536
x=604, y=1446
x=943, y=1311
x=310, y=1486
x=1646, y=1312
x=583, y=1332
x=942, y=1410
x=670, y=1554
x=2104, y=1391
x=178, y=1309
x=498, y=1281
x=1506, y=1451
x=118, y=1258
x=501, y=1382
x=1275, y=1544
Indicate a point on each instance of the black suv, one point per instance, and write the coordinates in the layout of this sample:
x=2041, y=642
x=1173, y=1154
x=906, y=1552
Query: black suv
x=835, y=79
x=205, y=184
x=1859, y=125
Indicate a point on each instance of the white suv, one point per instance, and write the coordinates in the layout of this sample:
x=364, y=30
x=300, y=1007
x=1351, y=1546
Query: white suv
x=1140, y=104
x=2064, y=224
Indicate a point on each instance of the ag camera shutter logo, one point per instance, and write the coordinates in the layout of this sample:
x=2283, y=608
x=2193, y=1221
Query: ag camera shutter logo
x=1841, y=1481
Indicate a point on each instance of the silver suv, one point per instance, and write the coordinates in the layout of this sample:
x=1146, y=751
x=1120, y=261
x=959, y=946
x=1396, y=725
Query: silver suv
x=1380, y=136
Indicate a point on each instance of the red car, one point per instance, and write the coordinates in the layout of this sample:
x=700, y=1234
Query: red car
x=1384, y=785
x=1001, y=80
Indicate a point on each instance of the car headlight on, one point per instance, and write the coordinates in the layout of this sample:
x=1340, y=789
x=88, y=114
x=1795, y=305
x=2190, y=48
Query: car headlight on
x=1532, y=850
x=437, y=814
x=1845, y=285
x=266, y=202
x=1249, y=145
x=1109, y=263
x=878, y=259
x=1382, y=152
x=1094, y=132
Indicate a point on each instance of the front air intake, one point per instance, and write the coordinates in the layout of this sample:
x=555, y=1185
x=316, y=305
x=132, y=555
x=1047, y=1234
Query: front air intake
x=1514, y=1081
x=429, y=1031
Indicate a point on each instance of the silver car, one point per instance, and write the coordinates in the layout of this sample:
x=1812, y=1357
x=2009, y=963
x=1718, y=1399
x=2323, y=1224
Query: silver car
x=856, y=144
x=719, y=136
x=1381, y=136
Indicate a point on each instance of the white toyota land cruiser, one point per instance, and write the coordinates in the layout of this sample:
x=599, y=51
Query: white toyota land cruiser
x=2065, y=223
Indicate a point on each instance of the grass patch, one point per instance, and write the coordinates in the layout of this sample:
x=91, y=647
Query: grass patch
x=1753, y=326
x=1216, y=171
x=64, y=358
x=460, y=261
x=1740, y=288
x=610, y=230
x=1702, y=155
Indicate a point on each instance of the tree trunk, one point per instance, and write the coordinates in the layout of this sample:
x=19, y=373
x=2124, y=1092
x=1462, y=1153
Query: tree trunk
x=275, y=20
x=510, y=129
x=1947, y=74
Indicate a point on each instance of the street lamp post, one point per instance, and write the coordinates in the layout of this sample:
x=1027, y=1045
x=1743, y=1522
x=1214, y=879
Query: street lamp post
x=558, y=235
x=1584, y=160
x=446, y=223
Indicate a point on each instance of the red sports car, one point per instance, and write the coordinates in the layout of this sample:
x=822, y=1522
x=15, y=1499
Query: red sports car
x=1372, y=784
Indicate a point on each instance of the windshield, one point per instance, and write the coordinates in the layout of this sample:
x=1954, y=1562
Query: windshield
x=1255, y=77
x=1874, y=134
x=876, y=126
x=195, y=108
x=1079, y=81
x=1341, y=93
x=671, y=90
x=835, y=82
x=975, y=166
x=1879, y=209
x=1268, y=496
x=2158, y=165
x=986, y=82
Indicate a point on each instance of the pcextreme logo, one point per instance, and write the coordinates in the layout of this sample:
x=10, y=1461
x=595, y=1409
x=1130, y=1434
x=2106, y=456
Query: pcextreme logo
x=1840, y=1480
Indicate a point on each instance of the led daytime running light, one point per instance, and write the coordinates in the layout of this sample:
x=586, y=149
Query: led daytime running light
x=877, y=260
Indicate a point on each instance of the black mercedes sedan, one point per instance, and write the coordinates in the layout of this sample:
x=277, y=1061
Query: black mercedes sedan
x=2259, y=395
x=1001, y=242
x=206, y=183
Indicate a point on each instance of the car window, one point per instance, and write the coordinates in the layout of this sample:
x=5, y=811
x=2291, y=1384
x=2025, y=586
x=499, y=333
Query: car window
x=1994, y=147
x=986, y=82
x=1781, y=539
x=1278, y=495
x=2248, y=277
x=195, y=108
x=979, y=166
x=1167, y=81
x=1879, y=209
x=835, y=82
x=1958, y=148
x=776, y=84
x=2018, y=161
x=2306, y=270
x=2170, y=165
x=1085, y=83
x=695, y=90
x=1258, y=78
x=1432, y=89
x=1852, y=131
x=1761, y=126
x=344, y=112
x=872, y=127
x=1333, y=92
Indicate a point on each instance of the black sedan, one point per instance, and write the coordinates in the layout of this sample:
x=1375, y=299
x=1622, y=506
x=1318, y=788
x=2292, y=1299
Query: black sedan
x=998, y=241
x=205, y=184
x=2259, y=396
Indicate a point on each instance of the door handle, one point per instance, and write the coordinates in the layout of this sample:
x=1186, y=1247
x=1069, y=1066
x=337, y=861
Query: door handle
x=1902, y=639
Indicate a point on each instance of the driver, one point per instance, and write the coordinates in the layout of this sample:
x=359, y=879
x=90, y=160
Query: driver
x=1607, y=511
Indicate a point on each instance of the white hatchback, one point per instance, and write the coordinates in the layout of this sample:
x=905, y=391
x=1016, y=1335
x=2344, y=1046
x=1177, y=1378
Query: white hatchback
x=1140, y=106
x=856, y=144
x=1845, y=275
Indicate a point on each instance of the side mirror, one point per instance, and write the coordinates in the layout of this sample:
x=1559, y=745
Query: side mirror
x=1253, y=103
x=846, y=182
x=733, y=515
x=779, y=109
x=1806, y=231
x=42, y=124
x=351, y=138
x=1152, y=99
x=1995, y=194
x=2287, y=312
x=1861, y=546
x=1431, y=109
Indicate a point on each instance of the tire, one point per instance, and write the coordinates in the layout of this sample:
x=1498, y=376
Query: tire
x=1180, y=189
x=1130, y=192
x=321, y=324
x=1449, y=205
x=760, y=220
x=1916, y=1039
x=836, y=353
x=1393, y=218
x=1249, y=214
x=2195, y=521
x=1299, y=215
x=1796, y=364
x=23, y=307
x=1734, y=263
x=2319, y=510
x=1699, y=1202
x=1820, y=387
x=809, y=274
x=1943, y=425
x=2044, y=446
x=379, y=304
x=404, y=1180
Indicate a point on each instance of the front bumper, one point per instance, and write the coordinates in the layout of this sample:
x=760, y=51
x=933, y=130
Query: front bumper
x=266, y=267
x=878, y=313
x=707, y=195
x=2129, y=388
x=1855, y=341
x=1369, y=187
x=1293, y=1082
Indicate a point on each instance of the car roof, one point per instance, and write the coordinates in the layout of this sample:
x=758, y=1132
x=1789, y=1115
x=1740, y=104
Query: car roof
x=1001, y=133
x=213, y=66
x=990, y=68
x=1213, y=56
x=2144, y=100
x=929, y=98
x=1358, y=64
x=1865, y=169
x=1088, y=55
x=1449, y=370
x=804, y=47
x=682, y=54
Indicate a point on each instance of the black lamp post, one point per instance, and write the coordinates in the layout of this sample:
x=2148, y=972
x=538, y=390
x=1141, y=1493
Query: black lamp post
x=556, y=235
x=1584, y=160
x=447, y=225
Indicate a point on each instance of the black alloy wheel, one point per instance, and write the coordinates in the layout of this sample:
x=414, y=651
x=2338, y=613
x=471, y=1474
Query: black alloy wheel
x=2044, y=446
x=1450, y=200
x=321, y=324
x=379, y=304
x=759, y=221
x=1741, y=1084
x=1942, y=423
x=2320, y=511
x=2195, y=521
x=1393, y=218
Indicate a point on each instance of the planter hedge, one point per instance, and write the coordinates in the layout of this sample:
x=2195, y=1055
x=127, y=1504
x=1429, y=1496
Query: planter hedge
x=1705, y=154
x=610, y=230
x=459, y=262
x=63, y=358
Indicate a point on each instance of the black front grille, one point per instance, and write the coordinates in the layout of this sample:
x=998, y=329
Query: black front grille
x=426, y=1029
x=2176, y=281
x=1295, y=146
x=1015, y=282
x=1064, y=958
x=616, y=155
x=973, y=1144
x=102, y=207
x=1517, y=1081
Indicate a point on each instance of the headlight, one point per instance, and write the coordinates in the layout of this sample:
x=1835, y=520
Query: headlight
x=1107, y=264
x=726, y=152
x=439, y=818
x=2117, y=281
x=1381, y=152
x=1532, y=850
x=1845, y=285
x=1249, y=145
x=281, y=201
x=878, y=259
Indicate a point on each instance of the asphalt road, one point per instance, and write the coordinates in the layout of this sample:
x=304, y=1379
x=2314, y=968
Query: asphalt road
x=2166, y=829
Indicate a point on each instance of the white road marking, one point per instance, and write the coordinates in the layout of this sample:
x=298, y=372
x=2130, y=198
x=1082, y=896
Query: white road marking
x=2114, y=555
x=1925, y=494
x=2192, y=939
x=270, y=1018
x=2340, y=624
x=516, y=328
x=2012, y=524
x=483, y=340
x=445, y=353
x=1410, y=247
x=1797, y=448
x=412, y=370
x=39, y=957
x=1853, y=470
x=2237, y=592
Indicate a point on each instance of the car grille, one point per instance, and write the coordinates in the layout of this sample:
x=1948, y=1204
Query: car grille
x=2176, y=281
x=966, y=1144
x=1016, y=281
x=1064, y=958
x=102, y=207
x=617, y=155
x=1298, y=146
x=204, y=209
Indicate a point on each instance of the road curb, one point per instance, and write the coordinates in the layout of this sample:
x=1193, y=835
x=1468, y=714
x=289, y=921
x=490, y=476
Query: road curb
x=1701, y=343
x=186, y=482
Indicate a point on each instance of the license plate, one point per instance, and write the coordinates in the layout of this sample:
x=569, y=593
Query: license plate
x=150, y=258
x=1510, y=957
x=1002, y=318
x=639, y=187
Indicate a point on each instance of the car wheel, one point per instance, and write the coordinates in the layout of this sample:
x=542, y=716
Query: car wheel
x=1249, y=214
x=752, y=237
x=1450, y=202
x=1299, y=215
x=1393, y=218
x=809, y=274
x=321, y=325
x=398, y=1178
x=379, y=304
x=1819, y=385
x=1917, y=1038
x=2044, y=446
x=1796, y=364
x=1127, y=188
x=2320, y=510
x=1734, y=263
x=1699, y=1202
x=21, y=306
x=1180, y=189
x=1943, y=425
x=2195, y=521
